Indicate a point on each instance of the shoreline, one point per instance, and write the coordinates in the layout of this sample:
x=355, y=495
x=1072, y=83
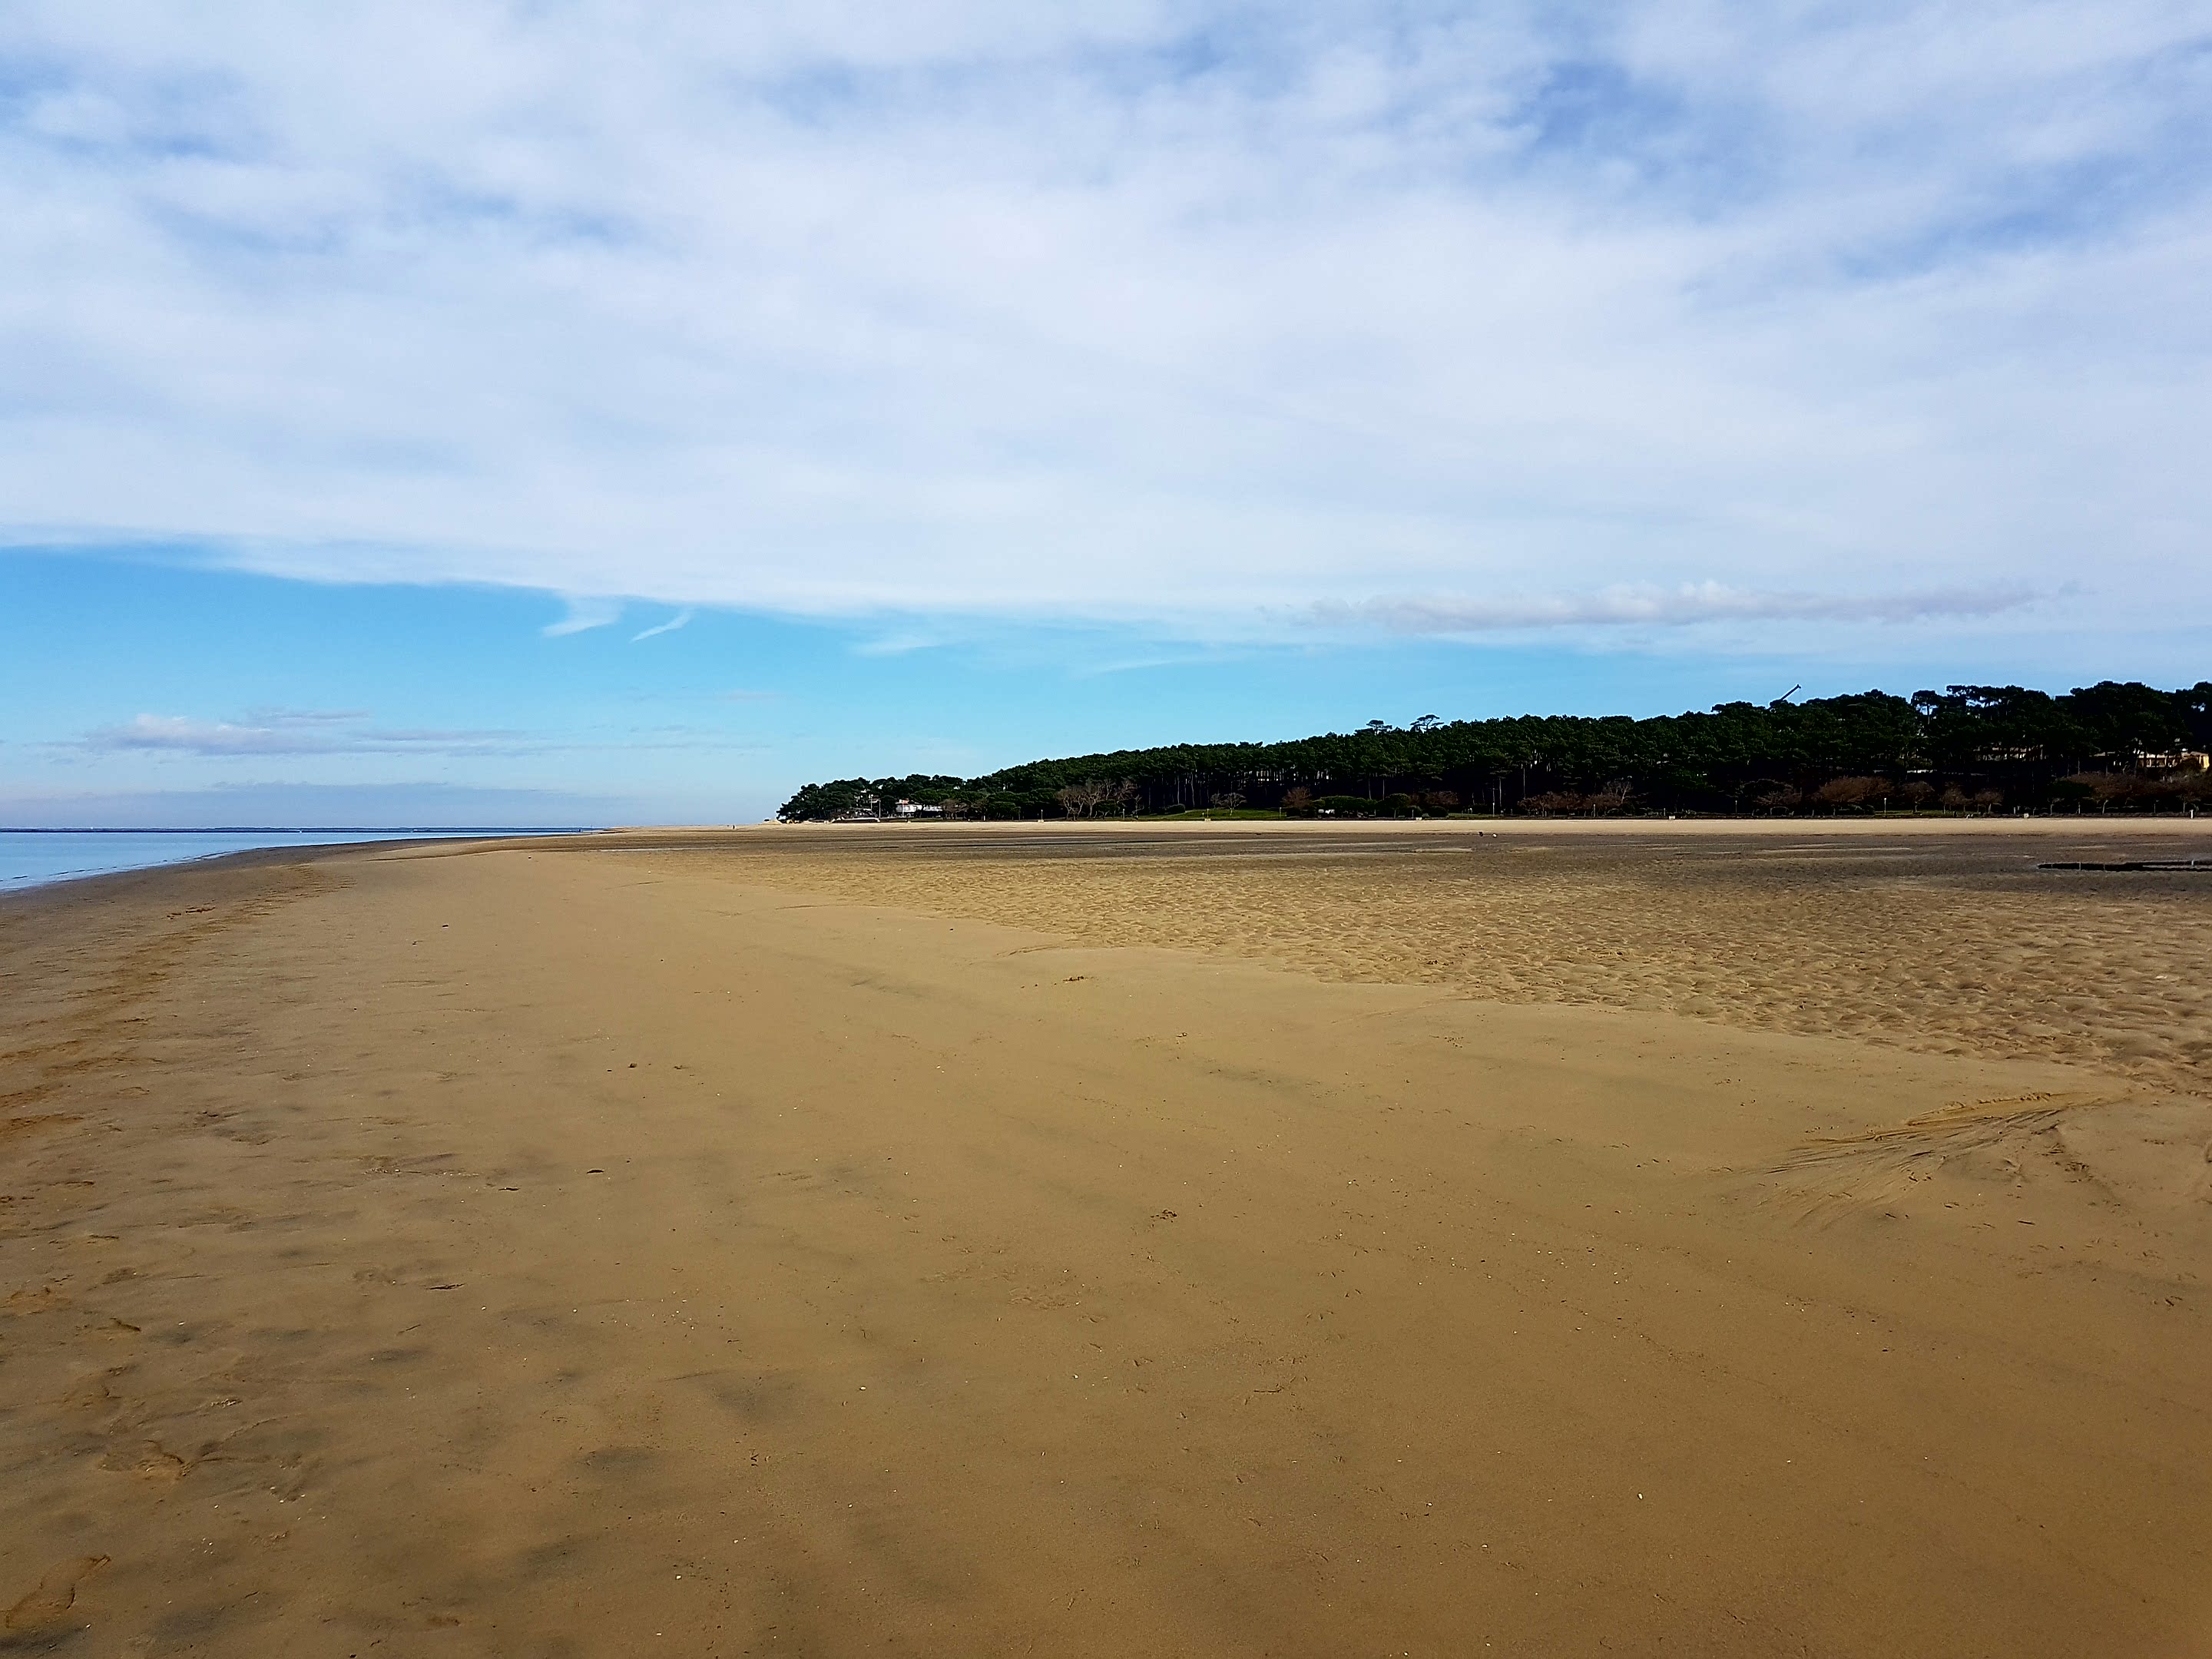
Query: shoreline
x=2094, y=830
x=2147, y=824
x=279, y=851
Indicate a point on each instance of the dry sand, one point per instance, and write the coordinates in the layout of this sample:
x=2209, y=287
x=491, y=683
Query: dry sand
x=940, y=1242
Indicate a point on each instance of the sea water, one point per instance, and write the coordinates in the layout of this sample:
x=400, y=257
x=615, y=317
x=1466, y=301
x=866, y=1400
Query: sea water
x=31, y=858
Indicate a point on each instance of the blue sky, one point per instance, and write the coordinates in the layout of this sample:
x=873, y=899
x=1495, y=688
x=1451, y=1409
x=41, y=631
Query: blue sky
x=976, y=381
x=163, y=692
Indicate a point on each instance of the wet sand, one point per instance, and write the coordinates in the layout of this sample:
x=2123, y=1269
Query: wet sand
x=1122, y=1242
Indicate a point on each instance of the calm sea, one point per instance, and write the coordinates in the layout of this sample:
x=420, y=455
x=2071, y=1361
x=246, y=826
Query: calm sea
x=31, y=858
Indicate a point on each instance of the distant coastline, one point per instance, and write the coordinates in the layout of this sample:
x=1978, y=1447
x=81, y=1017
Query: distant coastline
x=33, y=857
x=301, y=829
x=1968, y=750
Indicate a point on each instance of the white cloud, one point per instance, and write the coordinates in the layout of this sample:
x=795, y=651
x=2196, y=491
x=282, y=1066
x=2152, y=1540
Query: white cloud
x=279, y=732
x=282, y=732
x=1649, y=607
x=584, y=613
x=680, y=619
x=1139, y=311
x=896, y=645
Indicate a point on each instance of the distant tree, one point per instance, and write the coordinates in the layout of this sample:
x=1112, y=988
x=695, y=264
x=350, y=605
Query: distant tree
x=1552, y=803
x=2122, y=718
x=1965, y=743
x=1083, y=800
x=1846, y=791
x=2110, y=789
x=820, y=802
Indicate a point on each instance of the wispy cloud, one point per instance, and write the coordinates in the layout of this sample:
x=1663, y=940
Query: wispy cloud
x=584, y=613
x=1683, y=607
x=291, y=734
x=295, y=734
x=679, y=620
x=1130, y=311
x=895, y=645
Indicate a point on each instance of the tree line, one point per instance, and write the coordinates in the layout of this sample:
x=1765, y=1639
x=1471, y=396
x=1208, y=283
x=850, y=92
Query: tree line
x=2112, y=746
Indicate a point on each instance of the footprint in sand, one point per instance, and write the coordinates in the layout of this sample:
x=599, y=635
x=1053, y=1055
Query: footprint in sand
x=46, y=1611
x=151, y=1462
x=92, y=1394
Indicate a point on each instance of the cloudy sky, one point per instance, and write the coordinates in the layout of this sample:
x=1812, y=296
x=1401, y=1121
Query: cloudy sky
x=650, y=407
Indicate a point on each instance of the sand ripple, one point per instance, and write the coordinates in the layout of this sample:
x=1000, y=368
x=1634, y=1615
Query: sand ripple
x=1912, y=945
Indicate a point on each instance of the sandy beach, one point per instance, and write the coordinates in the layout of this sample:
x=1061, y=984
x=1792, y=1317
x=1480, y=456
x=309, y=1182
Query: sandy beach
x=1538, y=1238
